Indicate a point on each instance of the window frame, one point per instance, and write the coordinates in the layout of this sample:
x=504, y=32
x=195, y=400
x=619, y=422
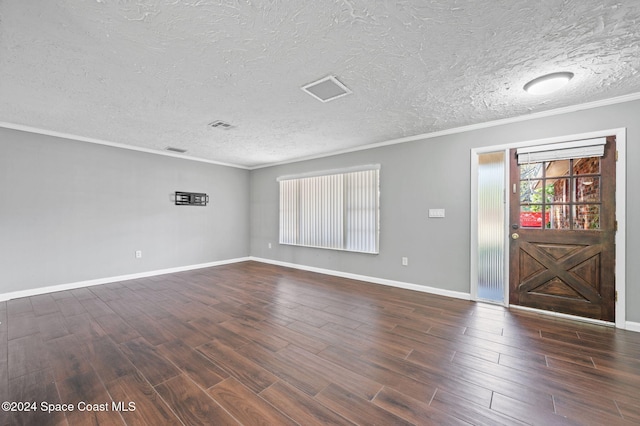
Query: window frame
x=332, y=209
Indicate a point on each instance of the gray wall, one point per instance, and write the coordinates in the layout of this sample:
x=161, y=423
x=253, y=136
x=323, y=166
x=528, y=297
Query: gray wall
x=435, y=173
x=73, y=211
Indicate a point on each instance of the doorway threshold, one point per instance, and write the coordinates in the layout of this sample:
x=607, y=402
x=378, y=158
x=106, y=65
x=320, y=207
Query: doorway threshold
x=564, y=316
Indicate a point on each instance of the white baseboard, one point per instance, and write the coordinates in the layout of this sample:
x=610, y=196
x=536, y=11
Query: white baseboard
x=629, y=325
x=375, y=280
x=632, y=326
x=89, y=283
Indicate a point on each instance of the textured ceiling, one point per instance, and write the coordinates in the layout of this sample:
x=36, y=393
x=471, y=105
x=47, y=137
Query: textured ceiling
x=154, y=73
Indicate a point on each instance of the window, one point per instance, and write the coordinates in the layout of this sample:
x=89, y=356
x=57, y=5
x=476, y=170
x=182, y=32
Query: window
x=335, y=210
x=560, y=185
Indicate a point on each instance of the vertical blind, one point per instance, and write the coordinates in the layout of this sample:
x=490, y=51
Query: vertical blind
x=333, y=210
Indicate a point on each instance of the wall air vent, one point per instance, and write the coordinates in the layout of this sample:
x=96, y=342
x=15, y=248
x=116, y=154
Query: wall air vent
x=173, y=149
x=219, y=124
x=326, y=89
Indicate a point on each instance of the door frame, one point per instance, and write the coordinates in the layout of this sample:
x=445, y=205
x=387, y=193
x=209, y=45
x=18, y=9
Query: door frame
x=620, y=239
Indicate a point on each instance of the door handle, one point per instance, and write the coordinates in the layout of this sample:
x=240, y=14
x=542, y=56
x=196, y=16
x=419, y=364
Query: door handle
x=515, y=236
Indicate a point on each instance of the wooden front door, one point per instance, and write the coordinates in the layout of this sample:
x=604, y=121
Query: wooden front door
x=562, y=225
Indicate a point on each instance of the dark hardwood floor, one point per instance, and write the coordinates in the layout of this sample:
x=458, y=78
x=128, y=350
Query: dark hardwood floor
x=251, y=343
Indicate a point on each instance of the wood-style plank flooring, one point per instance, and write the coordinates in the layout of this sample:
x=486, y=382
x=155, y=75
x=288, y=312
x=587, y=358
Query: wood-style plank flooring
x=251, y=343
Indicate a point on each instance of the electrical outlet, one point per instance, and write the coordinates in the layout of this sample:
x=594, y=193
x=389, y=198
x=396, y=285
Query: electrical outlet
x=405, y=261
x=269, y=245
x=138, y=254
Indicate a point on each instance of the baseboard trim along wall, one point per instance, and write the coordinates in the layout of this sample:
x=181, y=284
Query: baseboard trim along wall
x=89, y=283
x=629, y=325
x=374, y=280
x=107, y=280
x=632, y=326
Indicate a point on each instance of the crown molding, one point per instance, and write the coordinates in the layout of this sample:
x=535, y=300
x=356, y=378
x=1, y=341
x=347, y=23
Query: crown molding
x=70, y=136
x=463, y=129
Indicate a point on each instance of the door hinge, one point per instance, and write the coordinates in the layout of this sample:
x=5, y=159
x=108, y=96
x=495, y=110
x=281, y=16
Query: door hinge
x=616, y=155
x=616, y=295
x=615, y=225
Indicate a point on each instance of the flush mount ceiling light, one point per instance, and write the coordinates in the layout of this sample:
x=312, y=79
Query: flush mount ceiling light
x=326, y=89
x=548, y=83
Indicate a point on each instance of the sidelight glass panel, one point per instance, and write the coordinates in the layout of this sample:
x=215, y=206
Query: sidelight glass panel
x=491, y=250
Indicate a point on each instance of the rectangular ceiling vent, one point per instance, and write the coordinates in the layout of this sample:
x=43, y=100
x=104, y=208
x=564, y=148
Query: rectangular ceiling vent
x=326, y=89
x=219, y=124
x=173, y=149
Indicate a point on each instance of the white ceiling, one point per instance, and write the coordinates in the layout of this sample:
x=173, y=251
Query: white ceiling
x=154, y=73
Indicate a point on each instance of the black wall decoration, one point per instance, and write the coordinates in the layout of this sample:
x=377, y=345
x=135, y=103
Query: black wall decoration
x=191, y=199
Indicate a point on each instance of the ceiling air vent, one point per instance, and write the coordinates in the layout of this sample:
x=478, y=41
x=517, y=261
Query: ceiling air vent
x=219, y=124
x=173, y=149
x=326, y=89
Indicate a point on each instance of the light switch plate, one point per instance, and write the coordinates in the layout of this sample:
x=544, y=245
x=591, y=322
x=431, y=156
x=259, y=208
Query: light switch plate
x=436, y=212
